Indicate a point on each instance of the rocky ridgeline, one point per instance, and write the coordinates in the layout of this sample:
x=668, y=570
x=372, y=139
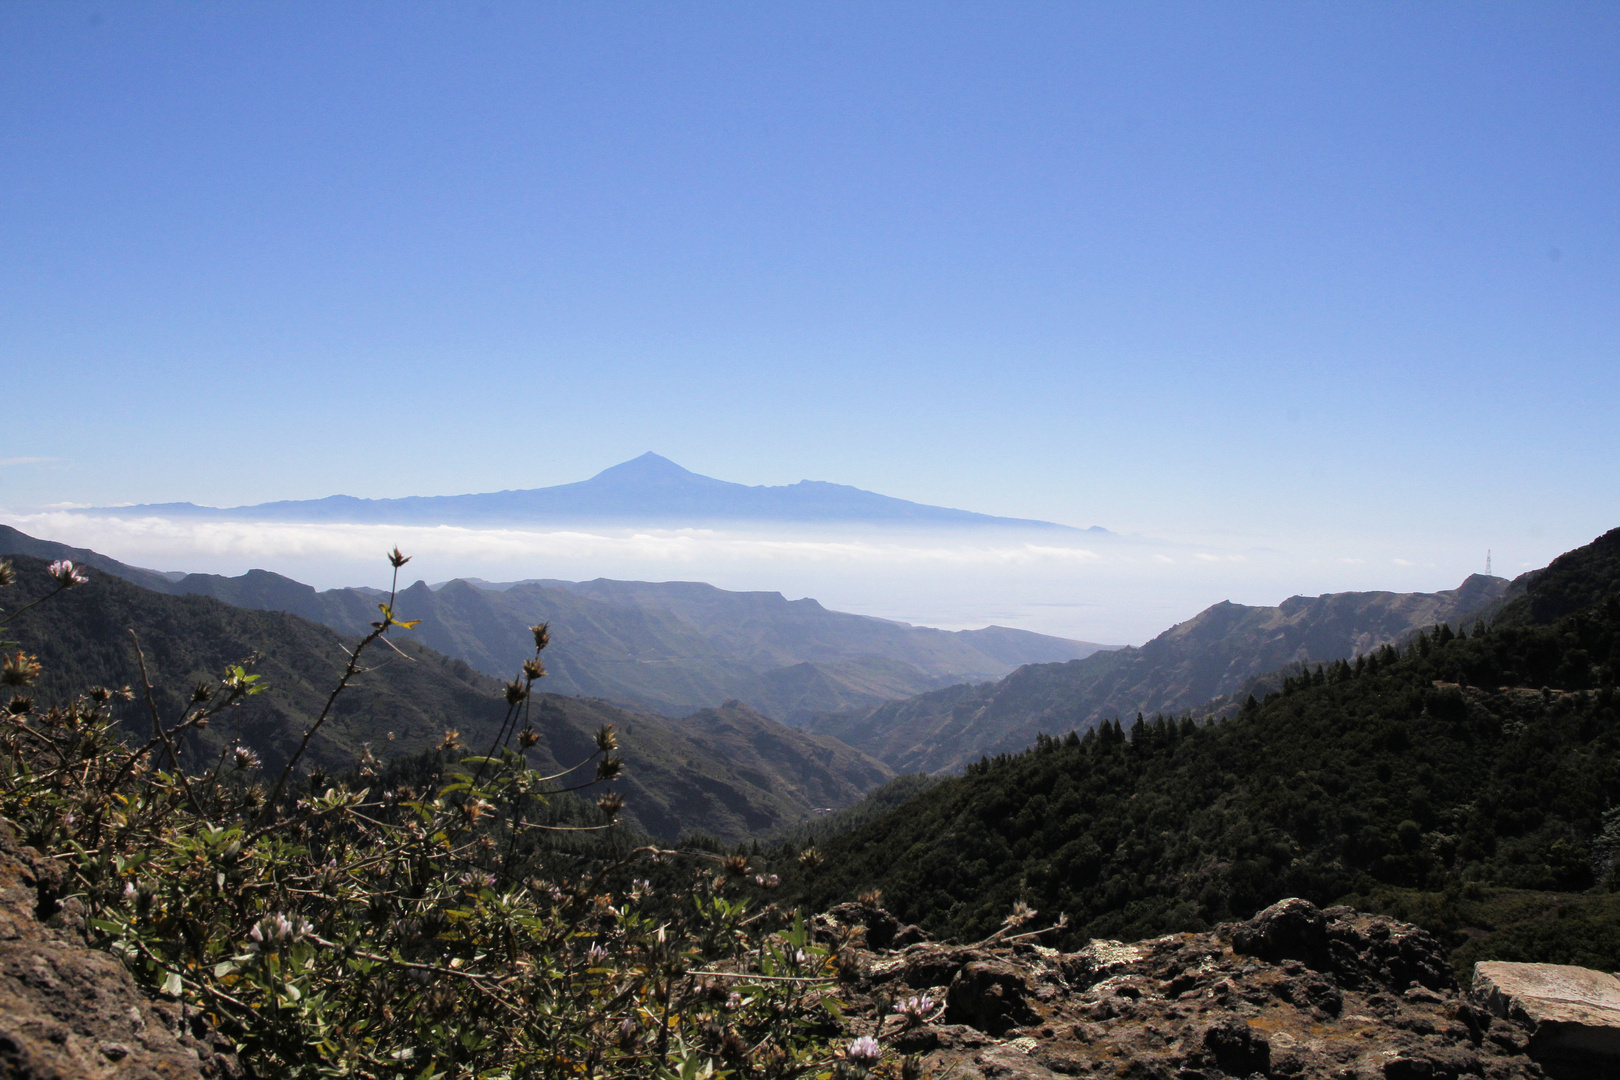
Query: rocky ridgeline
x=1295, y=992
x=70, y=1012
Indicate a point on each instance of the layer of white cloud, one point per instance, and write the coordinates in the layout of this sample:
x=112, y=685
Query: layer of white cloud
x=170, y=537
x=1113, y=590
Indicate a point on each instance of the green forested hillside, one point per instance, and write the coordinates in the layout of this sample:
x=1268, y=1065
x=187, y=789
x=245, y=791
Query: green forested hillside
x=1485, y=759
x=686, y=776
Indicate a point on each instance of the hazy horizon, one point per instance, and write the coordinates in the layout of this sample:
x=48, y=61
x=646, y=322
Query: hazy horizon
x=1318, y=297
x=1108, y=587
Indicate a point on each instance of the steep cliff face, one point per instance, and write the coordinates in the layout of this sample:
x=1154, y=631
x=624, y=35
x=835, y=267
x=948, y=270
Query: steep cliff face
x=70, y=1012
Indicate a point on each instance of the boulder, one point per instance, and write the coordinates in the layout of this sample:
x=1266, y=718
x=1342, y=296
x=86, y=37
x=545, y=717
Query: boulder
x=879, y=928
x=1360, y=950
x=1236, y=1048
x=1367, y=951
x=990, y=995
x=1571, y=1014
x=1292, y=929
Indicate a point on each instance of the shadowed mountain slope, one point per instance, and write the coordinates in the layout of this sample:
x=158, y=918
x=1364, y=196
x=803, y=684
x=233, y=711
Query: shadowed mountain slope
x=1576, y=579
x=1216, y=653
x=700, y=774
x=672, y=647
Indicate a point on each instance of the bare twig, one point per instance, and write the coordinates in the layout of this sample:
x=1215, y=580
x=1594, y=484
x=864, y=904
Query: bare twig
x=765, y=978
x=1001, y=935
x=34, y=603
x=309, y=732
x=157, y=727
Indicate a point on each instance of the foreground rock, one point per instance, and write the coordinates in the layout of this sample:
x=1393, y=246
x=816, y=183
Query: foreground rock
x=1571, y=1014
x=68, y=1011
x=1296, y=992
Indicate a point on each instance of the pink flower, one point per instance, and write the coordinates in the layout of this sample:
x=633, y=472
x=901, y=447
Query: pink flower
x=915, y=1009
x=65, y=574
x=864, y=1050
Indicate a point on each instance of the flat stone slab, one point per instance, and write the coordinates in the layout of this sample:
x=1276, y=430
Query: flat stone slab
x=1568, y=1011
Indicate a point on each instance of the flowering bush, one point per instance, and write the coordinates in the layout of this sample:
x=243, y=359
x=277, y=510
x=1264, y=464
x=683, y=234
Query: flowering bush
x=336, y=929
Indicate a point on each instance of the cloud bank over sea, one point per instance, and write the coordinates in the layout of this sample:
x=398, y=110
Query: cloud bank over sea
x=1103, y=588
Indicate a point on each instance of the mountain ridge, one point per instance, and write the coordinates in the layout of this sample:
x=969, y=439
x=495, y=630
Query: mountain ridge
x=679, y=775
x=1213, y=655
x=671, y=647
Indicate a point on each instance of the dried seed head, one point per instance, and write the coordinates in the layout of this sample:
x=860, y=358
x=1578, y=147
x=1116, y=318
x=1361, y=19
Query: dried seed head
x=19, y=669
x=542, y=635
x=533, y=669
x=397, y=560
x=528, y=737
x=245, y=758
x=610, y=804
x=8, y=573
x=201, y=693
x=734, y=865
x=609, y=767
x=99, y=694
x=516, y=692
x=452, y=739
x=607, y=740
x=20, y=705
x=810, y=858
x=1021, y=913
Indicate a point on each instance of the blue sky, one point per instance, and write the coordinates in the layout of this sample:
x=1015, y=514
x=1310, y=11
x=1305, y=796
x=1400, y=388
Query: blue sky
x=1296, y=276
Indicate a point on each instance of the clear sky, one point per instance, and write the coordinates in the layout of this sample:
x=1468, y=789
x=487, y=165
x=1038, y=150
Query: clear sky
x=1291, y=275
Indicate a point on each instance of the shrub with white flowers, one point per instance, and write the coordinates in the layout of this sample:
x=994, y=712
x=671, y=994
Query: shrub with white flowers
x=336, y=930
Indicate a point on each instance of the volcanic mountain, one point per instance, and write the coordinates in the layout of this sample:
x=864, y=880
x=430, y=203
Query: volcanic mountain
x=648, y=489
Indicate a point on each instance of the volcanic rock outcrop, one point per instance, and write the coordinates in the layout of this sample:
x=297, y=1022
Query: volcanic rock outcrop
x=1296, y=993
x=70, y=1012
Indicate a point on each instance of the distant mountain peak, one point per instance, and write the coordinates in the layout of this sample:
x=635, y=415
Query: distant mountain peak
x=648, y=466
x=644, y=490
